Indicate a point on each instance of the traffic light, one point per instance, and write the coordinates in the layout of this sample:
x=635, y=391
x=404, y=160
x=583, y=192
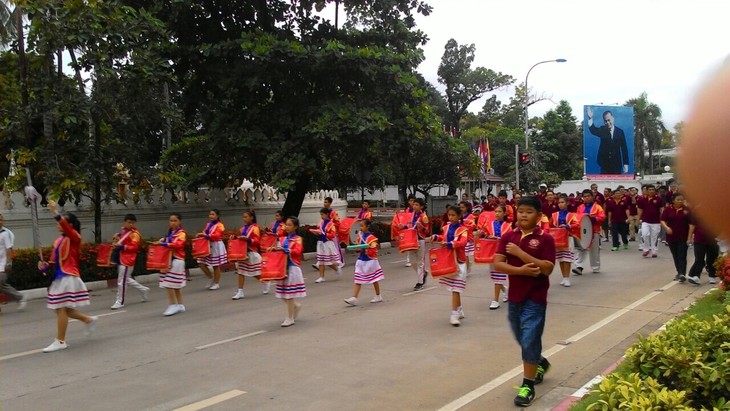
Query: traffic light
x=524, y=159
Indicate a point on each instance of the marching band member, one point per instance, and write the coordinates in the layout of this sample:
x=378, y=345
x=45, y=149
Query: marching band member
x=455, y=237
x=563, y=218
x=293, y=285
x=367, y=267
x=251, y=266
x=496, y=229
x=327, y=247
x=214, y=233
x=174, y=279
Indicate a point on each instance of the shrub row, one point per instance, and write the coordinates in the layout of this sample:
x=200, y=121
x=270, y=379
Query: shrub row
x=683, y=368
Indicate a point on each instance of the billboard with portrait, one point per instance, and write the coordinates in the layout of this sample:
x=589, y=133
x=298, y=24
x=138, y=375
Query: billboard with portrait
x=608, y=141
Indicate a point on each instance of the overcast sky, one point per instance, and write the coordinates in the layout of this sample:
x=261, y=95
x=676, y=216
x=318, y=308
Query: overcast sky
x=615, y=49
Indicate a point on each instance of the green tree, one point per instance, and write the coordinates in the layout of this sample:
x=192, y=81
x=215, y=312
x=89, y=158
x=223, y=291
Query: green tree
x=648, y=130
x=558, y=142
x=465, y=85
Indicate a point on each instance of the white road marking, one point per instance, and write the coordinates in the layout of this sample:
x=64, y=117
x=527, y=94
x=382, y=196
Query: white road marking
x=20, y=354
x=240, y=337
x=103, y=315
x=211, y=401
x=419, y=291
x=587, y=386
x=398, y=261
x=517, y=371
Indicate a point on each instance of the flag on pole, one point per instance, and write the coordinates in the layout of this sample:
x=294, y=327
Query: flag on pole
x=484, y=154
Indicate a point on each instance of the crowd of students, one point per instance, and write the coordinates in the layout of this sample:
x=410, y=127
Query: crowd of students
x=524, y=258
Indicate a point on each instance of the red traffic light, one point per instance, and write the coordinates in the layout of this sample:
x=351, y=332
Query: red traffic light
x=524, y=159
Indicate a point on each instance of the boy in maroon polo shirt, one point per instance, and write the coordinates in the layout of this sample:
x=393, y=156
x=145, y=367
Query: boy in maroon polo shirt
x=676, y=220
x=527, y=255
x=618, y=215
x=634, y=225
x=650, y=210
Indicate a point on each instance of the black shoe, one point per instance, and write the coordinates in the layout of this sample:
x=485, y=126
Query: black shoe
x=418, y=286
x=525, y=396
x=682, y=278
x=542, y=369
x=578, y=271
x=425, y=277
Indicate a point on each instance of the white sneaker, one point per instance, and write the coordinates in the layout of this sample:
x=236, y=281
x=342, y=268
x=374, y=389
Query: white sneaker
x=172, y=309
x=409, y=264
x=238, y=295
x=319, y=280
x=494, y=305
x=377, y=299
x=461, y=313
x=565, y=282
x=145, y=295
x=288, y=322
x=22, y=303
x=694, y=280
x=117, y=305
x=713, y=280
x=210, y=284
x=339, y=271
x=267, y=287
x=91, y=326
x=56, y=346
x=215, y=286
x=454, y=319
x=351, y=301
x=505, y=298
x=297, y=308
x=180, y=308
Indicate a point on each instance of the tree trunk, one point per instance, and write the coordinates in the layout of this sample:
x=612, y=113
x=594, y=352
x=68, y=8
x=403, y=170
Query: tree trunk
x=295, y=197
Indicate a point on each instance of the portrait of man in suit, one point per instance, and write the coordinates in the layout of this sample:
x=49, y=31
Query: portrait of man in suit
x=613, y=153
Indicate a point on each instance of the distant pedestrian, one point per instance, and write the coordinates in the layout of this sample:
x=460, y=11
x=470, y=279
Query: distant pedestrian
x=706, y=251
x=67, y=292
x=7, y=239
x=675, y=220
x=650, y=210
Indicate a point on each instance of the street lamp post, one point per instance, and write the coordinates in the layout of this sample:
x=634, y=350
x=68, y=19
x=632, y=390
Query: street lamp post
x=527, y=117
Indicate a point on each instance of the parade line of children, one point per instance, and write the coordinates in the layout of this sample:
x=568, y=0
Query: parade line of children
x=524, y=258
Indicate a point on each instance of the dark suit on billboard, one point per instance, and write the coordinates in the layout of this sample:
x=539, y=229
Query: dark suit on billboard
x=613, y=153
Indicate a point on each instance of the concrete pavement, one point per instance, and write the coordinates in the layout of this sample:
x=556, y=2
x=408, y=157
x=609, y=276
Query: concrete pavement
x=401, y=354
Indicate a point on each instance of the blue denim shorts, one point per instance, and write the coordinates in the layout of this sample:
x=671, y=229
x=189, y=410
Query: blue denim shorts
x=527, y=321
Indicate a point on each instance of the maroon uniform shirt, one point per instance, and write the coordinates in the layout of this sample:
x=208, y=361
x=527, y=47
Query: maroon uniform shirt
x=678, y=220
x=538, y=244
x=548, y=209
x=617, y=210
x=702, y=236
x=650, y=209
x=633, y=210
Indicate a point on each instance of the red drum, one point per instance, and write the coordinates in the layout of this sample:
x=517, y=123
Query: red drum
x=399, y=220
x=485, y=218
x=344, y=232
x=273, y=266
x=104, y=253
x=484, y=250
x=561, y=237
x=267, y=241
x=237, y=249
x=159, y=258
x=201, y=247
x=408, y=240
x=443, y=262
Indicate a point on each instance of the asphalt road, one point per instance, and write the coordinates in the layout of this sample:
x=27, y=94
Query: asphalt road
x=401, y=354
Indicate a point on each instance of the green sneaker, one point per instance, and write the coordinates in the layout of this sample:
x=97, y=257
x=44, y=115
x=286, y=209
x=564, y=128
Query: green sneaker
x=525, y=396
x=542, y=369
x=626, y=246
x=614, y=248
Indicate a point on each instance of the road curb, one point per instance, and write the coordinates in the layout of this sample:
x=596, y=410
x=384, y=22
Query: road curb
x=42, y=293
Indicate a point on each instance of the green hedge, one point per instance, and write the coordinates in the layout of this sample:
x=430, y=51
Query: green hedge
x=24, y=274
x=685, y=367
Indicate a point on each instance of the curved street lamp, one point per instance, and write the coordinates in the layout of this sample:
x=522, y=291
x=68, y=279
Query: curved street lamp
x=527, y=96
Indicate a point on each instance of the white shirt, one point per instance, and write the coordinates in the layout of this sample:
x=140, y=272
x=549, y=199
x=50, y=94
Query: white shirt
x=7, y=238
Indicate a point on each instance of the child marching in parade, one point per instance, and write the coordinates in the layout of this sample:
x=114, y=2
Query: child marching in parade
x=563, y=218
x=293, y=285
x=469, y=221
x=127, y=241
x=367, y=267
x=173, y=280
x=327, y=248
x=597, y=215
x=454, y=237
x=214, y=233
x=421, y=224
x=277, y=227
x=67, y=291
x=496, y=229
x=251, y=266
